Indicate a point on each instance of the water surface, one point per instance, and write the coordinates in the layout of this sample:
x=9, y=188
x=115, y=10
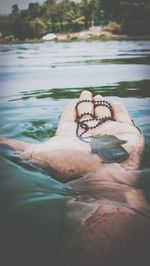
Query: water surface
x=36, y=82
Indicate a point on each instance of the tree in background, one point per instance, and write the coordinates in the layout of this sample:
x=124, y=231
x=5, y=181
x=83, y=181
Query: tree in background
x=39, y=27
x=73, y=20
x=69, y=16
x=135, y=17
x=111, y=10
x=34, y=10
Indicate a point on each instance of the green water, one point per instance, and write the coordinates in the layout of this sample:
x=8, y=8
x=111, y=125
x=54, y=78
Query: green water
x=37, y=81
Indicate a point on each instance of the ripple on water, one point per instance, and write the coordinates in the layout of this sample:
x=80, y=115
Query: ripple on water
x=38, y=129
x=37, y=81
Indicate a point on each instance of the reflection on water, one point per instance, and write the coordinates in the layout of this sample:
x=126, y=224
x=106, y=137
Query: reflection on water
x=72, y=65
x=37, y=81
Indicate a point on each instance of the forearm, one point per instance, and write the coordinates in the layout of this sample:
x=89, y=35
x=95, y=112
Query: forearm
x=139, y=179
x=117, y=174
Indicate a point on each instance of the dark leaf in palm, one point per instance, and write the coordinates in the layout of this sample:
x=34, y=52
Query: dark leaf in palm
x=109, y=148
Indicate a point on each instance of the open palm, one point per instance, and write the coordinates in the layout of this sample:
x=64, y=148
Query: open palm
x=68, y=156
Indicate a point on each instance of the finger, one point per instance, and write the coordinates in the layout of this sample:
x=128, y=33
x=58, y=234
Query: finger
x=120, y=113
x=14, y=144
x=100, y=109
x=69, y=113
x=85, y=105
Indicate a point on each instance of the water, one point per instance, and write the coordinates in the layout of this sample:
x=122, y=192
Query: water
x=36, y=82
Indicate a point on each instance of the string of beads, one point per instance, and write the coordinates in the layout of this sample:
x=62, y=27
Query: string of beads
x=83, y=124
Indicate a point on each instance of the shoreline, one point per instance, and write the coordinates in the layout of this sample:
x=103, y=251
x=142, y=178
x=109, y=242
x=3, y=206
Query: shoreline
x=101, y=36
x=81, y=36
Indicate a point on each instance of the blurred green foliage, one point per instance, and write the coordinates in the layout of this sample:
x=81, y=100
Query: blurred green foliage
x=68, y=16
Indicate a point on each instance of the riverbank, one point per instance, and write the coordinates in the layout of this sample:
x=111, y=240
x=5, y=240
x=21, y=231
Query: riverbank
x=80, y=36
x=103, y=35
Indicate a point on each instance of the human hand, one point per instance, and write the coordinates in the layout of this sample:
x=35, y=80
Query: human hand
x=68, y=156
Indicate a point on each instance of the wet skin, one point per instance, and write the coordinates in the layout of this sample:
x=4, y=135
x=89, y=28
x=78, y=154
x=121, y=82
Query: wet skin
x=114, y=220
x=67, y=156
